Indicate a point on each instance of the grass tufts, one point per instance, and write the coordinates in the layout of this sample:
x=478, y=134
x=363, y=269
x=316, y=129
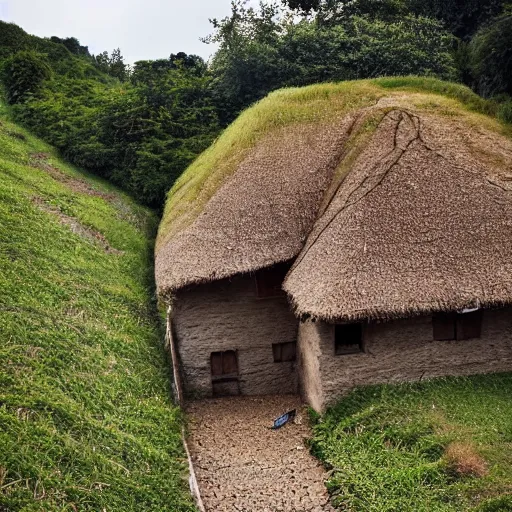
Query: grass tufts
x=436, y=446
x=463, y=460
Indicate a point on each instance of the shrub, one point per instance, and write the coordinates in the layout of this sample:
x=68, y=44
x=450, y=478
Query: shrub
x=24, y=74
x=491, y=57
x=505, y=112
x=261, y=52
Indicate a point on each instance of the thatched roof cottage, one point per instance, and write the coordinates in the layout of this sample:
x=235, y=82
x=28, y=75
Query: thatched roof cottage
x=338, y=235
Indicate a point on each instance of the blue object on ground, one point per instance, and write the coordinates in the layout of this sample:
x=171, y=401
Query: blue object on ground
x=285, y=418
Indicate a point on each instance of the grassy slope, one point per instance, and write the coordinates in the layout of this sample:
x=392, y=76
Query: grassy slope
x=443, y=445
x=312, y=104
x=86, y=421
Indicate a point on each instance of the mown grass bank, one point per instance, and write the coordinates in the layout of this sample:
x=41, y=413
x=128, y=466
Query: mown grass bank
x=86, y=420
x=439, y=446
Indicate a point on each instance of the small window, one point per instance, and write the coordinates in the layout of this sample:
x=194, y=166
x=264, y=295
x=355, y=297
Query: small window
x=284, y=352
x=269, y=281
x=469, y=325
x=457, y=326
x=224, y=363
x=348, y=339
x=443, y=325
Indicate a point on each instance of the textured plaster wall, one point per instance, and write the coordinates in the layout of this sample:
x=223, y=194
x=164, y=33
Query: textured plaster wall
x=401, y=350
x=228, y=315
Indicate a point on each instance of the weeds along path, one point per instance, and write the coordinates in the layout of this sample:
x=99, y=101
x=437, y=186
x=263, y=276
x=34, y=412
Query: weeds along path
x=243, y=465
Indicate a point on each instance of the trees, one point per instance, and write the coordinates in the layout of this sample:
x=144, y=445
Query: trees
x=155, y=130
x=460, y=17
x=491, y=57
x=72, y=44
x=117, y=68
x=364, y=48
x=112, y=64
x=141, y=128
x=264, y=50
x=140, y=133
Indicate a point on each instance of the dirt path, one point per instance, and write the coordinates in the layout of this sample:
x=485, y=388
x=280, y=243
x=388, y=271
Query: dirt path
x=242, y=465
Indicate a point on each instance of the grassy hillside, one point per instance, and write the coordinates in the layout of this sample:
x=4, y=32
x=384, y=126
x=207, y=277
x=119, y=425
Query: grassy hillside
x=86, y=421
x=313, y=104
x=14, y=39
x=439, y=446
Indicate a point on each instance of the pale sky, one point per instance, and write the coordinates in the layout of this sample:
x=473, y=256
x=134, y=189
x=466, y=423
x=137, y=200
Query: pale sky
x=149, y=29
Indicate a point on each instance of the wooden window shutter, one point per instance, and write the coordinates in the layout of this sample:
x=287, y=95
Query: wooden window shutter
x=216, y=363
x=284, y=352
x=443, y=325
x=469, y=325
x=229, y=364
x=277, y=351
x=289, y=351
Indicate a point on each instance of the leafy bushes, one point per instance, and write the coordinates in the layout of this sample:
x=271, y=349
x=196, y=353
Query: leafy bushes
x=140, y=133
x=362, y=48
x=258, y=53
x=141, y=127
x=24, y=75
x=491, y=57
x=505, y=112
x=461, y=18
x=140, y=137
x=12, y=39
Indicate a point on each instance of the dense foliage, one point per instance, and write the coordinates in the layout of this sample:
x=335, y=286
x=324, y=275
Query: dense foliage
x=491, y=54
x=461, y=17
x=258, y=54
x=24, y=75
x=139, y=128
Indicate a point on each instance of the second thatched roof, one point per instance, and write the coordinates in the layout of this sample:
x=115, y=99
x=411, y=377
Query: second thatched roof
x=422, y=223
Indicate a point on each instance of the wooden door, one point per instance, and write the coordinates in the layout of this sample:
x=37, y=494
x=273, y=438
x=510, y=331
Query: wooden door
x=225, y=376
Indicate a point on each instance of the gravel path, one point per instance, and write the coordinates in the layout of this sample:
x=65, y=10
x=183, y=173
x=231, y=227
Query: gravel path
x=242, y=465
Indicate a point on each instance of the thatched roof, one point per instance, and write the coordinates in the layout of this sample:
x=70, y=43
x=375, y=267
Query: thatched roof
x=393, y=205
x=422, y=223
x=263, y=213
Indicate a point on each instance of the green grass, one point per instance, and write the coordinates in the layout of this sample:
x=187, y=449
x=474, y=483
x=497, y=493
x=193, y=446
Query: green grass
x=387, y=446
x=313, y=104
x=86, y=420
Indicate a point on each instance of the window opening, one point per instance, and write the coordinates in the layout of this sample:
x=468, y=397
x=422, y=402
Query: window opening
x=224, y=364
x=348, y=339
x=284, y=352
x=457, y=326
x=269, y=281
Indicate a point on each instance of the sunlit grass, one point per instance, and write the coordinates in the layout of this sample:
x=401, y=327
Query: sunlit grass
x=440, y=446
x=86, y=419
